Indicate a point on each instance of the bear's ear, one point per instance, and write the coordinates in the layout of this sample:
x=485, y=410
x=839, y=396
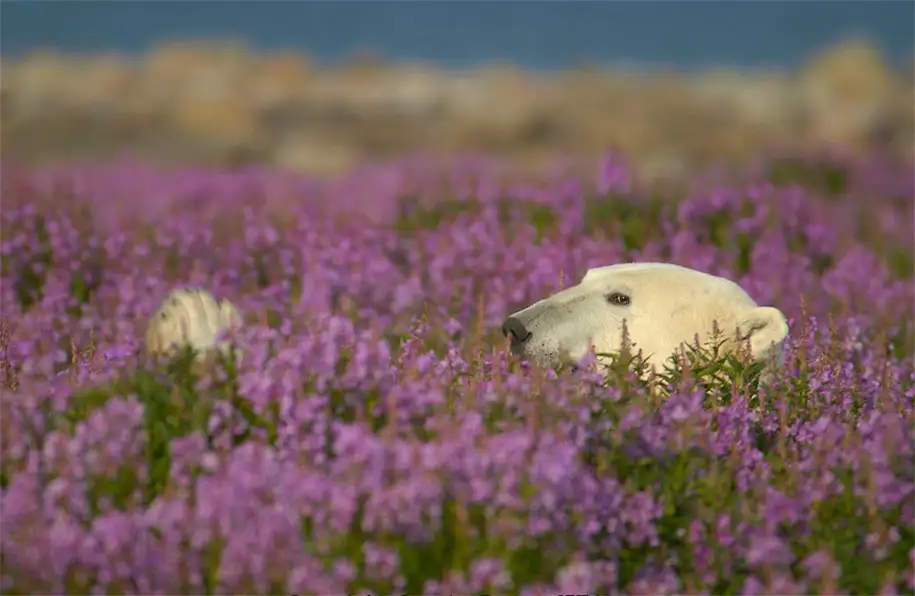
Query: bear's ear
x=230, y=313
x=153, y=336
x=765, y=327
x=590, y=274
x=159, y=334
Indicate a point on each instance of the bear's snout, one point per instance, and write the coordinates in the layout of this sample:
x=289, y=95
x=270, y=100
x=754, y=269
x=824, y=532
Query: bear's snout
x=514, y=326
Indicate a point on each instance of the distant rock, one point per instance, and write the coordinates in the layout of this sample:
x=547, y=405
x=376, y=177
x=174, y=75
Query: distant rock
x=222, y=121
x=757, y=98
x=847, y=90
x=222, y=102
x=300, y=153
x=278, y=79
x=176, y=70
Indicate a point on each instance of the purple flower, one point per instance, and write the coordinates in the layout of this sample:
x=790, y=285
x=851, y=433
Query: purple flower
x=375, y=415
x=613, y=174
x=580, y=577
x=489, y=574
x=767, y=551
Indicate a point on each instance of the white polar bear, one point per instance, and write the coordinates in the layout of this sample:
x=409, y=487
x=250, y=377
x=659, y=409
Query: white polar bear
x=663, y=306
x=190, y=317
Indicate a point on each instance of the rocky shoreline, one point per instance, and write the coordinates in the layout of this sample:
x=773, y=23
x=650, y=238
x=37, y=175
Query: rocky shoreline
x=223, y=104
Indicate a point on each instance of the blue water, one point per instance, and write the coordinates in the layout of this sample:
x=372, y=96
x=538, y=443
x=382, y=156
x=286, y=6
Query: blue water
x=682, y=34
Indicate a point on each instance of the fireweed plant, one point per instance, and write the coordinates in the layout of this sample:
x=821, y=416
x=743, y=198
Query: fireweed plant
x=375, y=437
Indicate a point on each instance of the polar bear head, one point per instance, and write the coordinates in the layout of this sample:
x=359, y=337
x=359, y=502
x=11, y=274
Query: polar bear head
x=662, y=307
x=190, y=317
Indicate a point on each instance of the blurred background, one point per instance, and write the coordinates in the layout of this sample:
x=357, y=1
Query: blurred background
x=323, y=86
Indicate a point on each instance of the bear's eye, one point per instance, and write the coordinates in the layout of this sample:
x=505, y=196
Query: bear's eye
x=618, y=299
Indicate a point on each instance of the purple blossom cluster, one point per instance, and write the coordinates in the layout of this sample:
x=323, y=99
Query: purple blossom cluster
x=377, y=437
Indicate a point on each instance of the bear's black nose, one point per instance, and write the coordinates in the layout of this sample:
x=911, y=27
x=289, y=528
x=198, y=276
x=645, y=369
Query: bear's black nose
x=514, y=326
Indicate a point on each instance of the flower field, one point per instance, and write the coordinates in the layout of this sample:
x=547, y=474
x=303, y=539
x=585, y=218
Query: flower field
x=376, y=437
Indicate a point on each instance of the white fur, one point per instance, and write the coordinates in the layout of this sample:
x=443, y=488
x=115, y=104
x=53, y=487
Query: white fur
x=669, y=305
x=190, y=317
